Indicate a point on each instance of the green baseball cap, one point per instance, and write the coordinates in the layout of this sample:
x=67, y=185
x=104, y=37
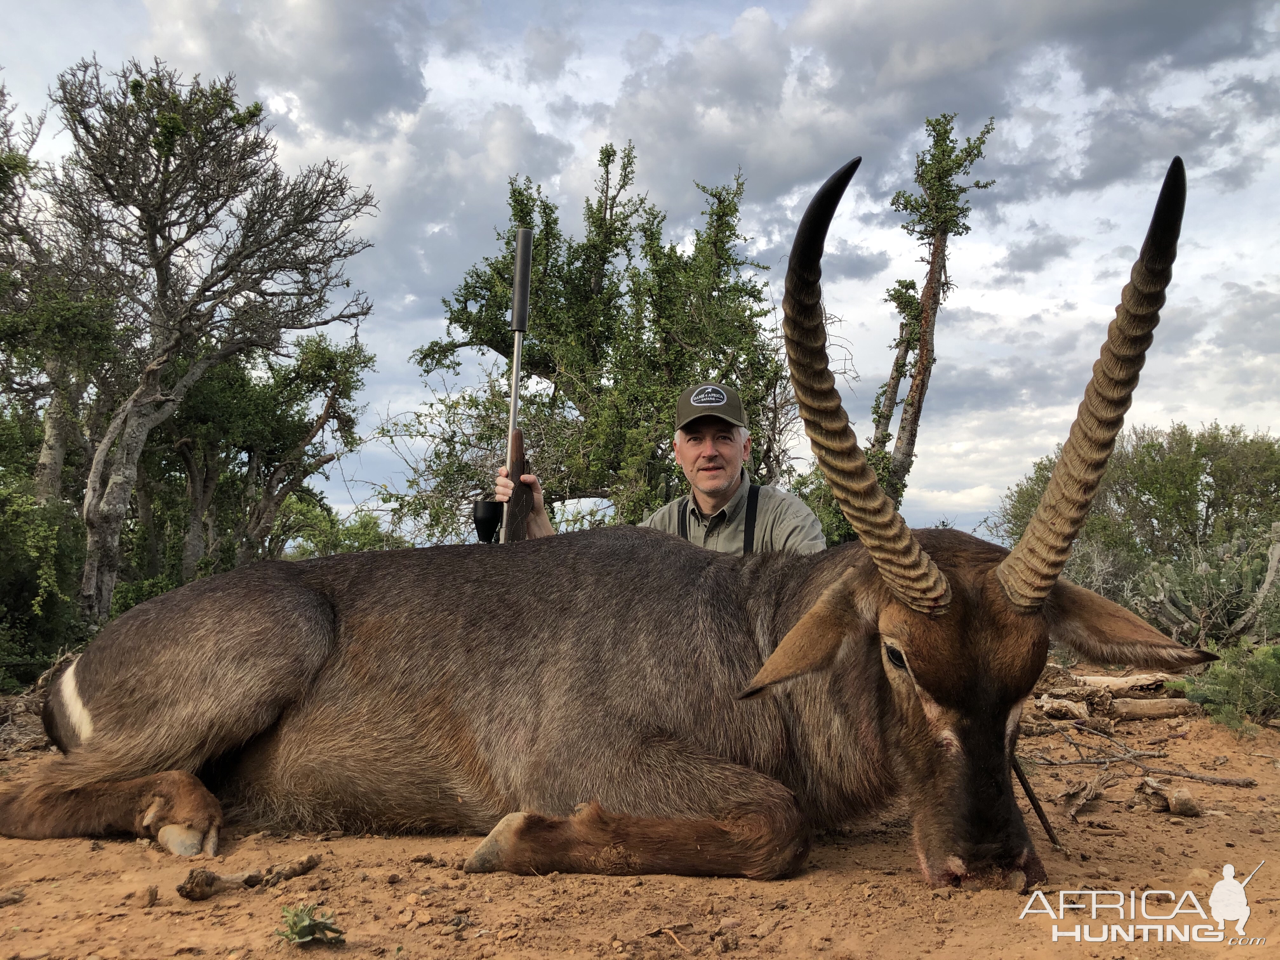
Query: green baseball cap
x=710, y=400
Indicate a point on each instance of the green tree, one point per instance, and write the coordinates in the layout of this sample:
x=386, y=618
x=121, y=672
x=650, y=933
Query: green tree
x=934, y=215
x=207, y=249
x=620, y=322
x=1182, y=530
x=308, y=527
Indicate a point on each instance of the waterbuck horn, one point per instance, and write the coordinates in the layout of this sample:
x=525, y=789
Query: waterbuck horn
x=1030, y=571
x=907, y=569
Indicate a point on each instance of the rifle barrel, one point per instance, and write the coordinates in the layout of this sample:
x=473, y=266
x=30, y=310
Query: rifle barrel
x=1255, y=870
x=519, y=322
x=517, y=508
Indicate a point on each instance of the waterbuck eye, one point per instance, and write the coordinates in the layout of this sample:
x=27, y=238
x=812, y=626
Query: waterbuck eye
x=895, y=657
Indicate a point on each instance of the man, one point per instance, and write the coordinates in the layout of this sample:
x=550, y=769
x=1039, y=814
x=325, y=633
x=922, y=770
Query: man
x=723, y=512
x=1228, y=901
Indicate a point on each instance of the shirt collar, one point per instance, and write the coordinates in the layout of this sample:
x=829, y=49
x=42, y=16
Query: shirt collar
x=730, y=509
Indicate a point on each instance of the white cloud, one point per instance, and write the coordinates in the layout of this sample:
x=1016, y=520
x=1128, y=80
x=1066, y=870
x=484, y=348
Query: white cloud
x=437, y=102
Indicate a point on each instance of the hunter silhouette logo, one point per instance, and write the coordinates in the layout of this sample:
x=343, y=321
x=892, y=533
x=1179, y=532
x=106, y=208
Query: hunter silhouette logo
x=1158, y=916
x=708, y=397
x=1229, y=901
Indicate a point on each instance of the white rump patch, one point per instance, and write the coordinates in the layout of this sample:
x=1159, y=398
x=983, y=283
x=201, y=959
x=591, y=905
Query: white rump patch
x=77, y=712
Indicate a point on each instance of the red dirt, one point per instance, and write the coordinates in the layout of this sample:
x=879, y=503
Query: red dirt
x=859, y=896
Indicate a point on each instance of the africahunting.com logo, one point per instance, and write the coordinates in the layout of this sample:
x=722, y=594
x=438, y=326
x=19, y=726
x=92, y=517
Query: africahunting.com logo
x=1227, y=903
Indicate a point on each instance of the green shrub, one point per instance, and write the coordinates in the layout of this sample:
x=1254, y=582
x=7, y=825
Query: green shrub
x=128, y=595
x=41, y=555
x=1240, y=690
x=301, y=925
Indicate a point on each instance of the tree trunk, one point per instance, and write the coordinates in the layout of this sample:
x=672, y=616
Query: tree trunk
x=202, y=481
x=53, y=449
x=262, y=514
x=889, y=402
x=113, y=474
x=147, y=520
x=930, y=298
x=107, y=499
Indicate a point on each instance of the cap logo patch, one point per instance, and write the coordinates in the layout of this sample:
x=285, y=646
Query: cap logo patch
x=708, y=397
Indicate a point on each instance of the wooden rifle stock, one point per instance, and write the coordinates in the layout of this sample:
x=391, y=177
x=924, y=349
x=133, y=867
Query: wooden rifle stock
x=515, y=518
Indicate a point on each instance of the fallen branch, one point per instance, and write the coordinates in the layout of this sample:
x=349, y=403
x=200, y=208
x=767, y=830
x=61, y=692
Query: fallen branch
x=672, y=934
x=1136, y=757
x=1203, y=778
x=201, y=884
x=279, y=874
x=1165, y=709
x=1145, y=686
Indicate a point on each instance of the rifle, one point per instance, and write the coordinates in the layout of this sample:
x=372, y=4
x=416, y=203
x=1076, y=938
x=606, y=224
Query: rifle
x=515, y=512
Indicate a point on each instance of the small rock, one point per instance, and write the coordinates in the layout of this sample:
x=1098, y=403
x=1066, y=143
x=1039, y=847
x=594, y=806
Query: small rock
x=394, y=878
x=1016, y=881
x=1177, y=821
x=32, y=955
x=149, y=897
x=727, y=924
x=727, y=943
x=1182, y=804
x=766, y=927
x=96, y=846
x=1257, y=830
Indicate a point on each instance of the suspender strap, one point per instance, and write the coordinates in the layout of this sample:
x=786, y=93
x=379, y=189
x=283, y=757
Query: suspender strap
x=749, y=533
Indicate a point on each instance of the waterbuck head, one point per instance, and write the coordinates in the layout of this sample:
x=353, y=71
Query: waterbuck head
x=963, y=626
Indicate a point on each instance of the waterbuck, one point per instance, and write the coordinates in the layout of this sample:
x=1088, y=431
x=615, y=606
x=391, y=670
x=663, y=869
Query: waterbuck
x=617, y=700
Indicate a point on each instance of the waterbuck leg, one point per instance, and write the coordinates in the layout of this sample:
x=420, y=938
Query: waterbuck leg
x=163, y=690
x=173, y=806
x=751, y=827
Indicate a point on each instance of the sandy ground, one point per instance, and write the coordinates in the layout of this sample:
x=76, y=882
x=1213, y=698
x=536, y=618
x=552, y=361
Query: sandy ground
x=859, y=896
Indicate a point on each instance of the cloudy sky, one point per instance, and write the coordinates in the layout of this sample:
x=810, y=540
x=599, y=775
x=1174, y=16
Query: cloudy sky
x=436, y=103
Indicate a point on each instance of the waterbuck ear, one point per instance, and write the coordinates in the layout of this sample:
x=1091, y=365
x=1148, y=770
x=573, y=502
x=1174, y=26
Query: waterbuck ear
x=1106, y=632
x=814, y=641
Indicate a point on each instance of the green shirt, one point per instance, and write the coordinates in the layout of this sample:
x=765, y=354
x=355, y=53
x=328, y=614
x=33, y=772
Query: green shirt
x=783, y=522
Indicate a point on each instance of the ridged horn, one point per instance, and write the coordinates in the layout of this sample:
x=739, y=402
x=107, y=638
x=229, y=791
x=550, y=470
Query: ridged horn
x=907, y=569
x=1030, y=571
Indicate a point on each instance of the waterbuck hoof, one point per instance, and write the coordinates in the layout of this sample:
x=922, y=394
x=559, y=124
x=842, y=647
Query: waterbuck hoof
x=487, y=857
x=182, y=841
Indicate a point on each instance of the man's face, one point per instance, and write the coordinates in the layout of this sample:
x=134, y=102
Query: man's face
x=711, y=452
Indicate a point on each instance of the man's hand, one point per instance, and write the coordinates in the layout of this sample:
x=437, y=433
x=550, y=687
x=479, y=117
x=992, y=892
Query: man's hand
x=538, y=524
